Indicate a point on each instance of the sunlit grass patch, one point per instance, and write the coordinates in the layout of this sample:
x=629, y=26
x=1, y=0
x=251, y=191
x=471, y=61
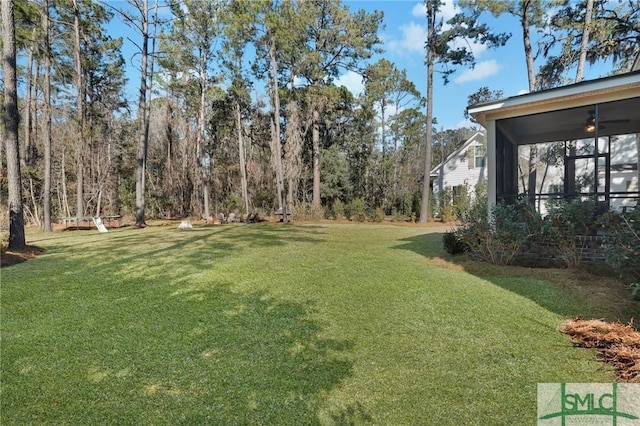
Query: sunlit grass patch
x=278, y=324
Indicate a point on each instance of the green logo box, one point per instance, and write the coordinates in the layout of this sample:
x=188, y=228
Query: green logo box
x=611, y=404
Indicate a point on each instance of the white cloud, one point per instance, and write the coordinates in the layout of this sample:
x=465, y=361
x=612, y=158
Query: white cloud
x=447, y=10
x=419, y=10
x=522, y=92
x=482, y=70
x=414, y=35
x=352, y=81
x=413, y=38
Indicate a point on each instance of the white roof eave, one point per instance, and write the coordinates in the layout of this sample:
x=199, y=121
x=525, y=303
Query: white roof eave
x=602, y=90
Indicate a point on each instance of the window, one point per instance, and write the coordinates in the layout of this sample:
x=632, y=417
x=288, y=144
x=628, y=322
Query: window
x=478, y=156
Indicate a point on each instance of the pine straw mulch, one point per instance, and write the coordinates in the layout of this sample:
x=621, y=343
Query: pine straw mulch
x=616, y=343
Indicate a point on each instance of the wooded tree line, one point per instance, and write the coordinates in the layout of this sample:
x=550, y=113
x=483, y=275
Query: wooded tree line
x=237, y=109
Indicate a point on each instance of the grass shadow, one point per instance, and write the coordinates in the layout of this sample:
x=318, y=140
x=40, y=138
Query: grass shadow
x=198, y=247
x=566, y=292
x=219, y=358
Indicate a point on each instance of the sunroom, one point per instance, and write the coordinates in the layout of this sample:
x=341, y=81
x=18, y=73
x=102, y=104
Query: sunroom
x=580, y=141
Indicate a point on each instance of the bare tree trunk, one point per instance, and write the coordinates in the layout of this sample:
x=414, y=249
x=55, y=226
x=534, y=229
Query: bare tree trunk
x=243, y=166
x=426, y=187
x=293, y=150
x=11, y=119
x=46, y=112
x=584, y=43
x=528, y=51
x=35, y=217
x=531, y=74
x=275, y=137
x=315, y=136
x=79, y=116
x=25, y=153
x=200, y=136
x=143, y=136
x=63, y=178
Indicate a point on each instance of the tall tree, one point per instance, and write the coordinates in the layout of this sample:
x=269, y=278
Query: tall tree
x=28, y=34
x=270, y=42
x=337, y=40
x=276, y=146
x=46, y=117
x=286, y=40
x=440, y=49
x=589, y=31
x=530, y=14
x=11, y=119
x=381, y=78
x=433, y=26
x=389, y=91
x=584, y=43
x=143, y=111
x=195, y=36
x=79, y=83
x=238, y=32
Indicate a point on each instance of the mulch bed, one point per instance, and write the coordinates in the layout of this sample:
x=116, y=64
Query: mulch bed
x=616, y=343
x=8, y=258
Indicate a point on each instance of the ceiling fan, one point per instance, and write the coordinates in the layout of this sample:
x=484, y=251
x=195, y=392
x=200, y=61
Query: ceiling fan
x=590, y=122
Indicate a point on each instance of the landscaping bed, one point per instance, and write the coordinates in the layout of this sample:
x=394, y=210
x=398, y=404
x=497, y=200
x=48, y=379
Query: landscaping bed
x=617, y=344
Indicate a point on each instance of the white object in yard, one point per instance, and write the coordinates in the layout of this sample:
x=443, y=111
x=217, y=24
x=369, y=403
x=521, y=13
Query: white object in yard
x=185, y=224
x=98, y=222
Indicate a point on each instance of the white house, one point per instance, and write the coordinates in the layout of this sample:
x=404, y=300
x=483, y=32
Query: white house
x=463, y=168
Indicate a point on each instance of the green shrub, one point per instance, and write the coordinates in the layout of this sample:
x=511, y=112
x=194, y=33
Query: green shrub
x=378, y=215
x=445, y=205
x=622, y=245
x=398, y=216
x=460, y=201
x=158, y=204
x=495, y=237
x=302, y=211
x=127, y=195
x=357, y=210
x=316, y=213
x=338, y=209
x=452, y=243
x=566, y=220
x=447, y=213
x=233, y=204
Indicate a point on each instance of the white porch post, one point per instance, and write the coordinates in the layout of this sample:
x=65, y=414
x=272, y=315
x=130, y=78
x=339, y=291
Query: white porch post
x=491, y=163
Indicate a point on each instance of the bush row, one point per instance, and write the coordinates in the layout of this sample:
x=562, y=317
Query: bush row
x=355, y=211
x=511, y=233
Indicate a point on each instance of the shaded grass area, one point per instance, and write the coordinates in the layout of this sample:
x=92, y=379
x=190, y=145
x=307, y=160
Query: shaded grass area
x=277, y=324
x=567, y=292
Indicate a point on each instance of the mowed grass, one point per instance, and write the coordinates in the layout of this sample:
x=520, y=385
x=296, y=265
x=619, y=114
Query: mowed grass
x=284, y=325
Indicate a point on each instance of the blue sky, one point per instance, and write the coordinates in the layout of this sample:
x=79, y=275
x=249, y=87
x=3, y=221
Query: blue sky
x=403, y=40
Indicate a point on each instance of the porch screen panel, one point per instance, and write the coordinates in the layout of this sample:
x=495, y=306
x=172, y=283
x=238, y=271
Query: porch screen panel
x=506, y=168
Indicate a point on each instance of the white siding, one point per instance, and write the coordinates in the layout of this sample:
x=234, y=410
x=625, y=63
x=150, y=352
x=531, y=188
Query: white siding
x=455, y=170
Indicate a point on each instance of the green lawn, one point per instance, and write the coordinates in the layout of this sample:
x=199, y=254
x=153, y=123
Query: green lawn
x=282, y=324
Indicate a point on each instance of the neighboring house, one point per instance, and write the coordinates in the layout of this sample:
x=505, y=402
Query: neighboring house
x=580, y=141
x=462, y=169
